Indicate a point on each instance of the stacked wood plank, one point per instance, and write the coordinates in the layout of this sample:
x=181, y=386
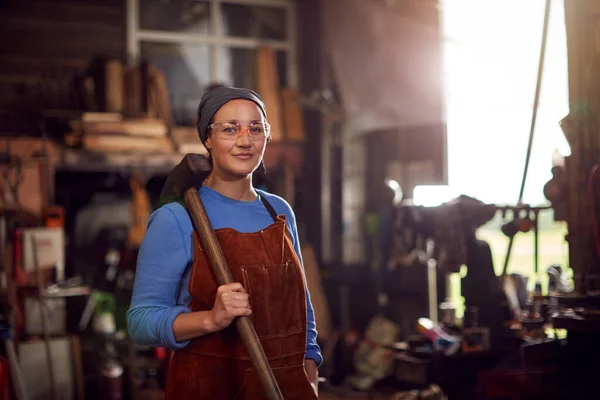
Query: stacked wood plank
x=108, y=132
x=136, y=112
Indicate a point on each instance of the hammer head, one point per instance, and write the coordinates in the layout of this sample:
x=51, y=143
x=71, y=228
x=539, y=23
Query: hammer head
x=191, y=171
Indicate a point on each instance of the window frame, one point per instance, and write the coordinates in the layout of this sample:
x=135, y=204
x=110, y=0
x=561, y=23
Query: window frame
x=216, y=39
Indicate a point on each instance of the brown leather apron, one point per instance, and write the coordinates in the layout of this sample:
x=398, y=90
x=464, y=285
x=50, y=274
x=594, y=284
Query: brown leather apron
x=216, y=366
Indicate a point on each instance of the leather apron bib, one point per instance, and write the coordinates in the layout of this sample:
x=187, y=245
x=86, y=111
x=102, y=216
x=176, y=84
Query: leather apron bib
x=216, y=366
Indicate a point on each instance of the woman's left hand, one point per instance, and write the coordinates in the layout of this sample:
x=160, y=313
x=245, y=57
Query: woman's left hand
x=312, y=371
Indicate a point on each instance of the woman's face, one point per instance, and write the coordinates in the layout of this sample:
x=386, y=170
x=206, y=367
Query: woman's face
x=237, y=155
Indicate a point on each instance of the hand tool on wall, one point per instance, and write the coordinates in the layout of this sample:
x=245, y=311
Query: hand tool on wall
x=183, y=182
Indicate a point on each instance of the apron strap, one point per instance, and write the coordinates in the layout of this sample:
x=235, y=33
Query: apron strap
x=269, y=208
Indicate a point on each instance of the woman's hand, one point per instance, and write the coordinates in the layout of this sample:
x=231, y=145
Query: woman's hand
x=312, y=373
x=231, y=301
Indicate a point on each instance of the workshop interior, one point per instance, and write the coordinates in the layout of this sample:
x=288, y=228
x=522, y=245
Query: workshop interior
x=442, y=158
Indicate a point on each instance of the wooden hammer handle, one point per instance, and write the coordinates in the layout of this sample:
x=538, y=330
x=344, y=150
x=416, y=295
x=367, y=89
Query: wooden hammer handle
x=217, y=260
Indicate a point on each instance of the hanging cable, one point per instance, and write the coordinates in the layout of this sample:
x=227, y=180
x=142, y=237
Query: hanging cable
x=533, y=120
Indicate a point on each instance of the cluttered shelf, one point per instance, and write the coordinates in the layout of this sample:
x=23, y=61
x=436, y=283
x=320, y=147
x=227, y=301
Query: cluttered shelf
x=108, y=141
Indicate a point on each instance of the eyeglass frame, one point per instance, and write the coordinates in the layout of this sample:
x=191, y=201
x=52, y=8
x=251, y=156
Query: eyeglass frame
x=245, y=128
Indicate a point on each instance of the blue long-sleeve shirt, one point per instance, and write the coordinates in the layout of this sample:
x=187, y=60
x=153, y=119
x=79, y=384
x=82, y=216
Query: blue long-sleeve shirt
x=165, y=258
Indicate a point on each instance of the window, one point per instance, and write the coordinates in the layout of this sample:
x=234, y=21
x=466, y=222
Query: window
x=491, y=56
x=200, y=42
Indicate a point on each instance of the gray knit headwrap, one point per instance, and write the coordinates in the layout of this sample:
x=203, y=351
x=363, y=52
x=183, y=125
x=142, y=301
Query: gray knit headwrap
x=216, y=98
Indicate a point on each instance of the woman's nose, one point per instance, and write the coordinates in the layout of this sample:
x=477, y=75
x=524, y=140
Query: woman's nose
x=244, y=137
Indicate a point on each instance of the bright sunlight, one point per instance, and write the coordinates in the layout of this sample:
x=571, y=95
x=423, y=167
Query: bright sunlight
x=491, y=56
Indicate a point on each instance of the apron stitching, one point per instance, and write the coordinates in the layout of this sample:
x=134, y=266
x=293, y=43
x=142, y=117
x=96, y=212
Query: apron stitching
x=283, y=243
x=266, y=248
x=266, y=274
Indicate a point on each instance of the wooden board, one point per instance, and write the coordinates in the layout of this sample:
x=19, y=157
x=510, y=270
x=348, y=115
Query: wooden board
x=267, y=85
x=292, y=115
x=121, y=143
x=159, y=105
x=147, y=127
x=113, y=86
x=132, y=87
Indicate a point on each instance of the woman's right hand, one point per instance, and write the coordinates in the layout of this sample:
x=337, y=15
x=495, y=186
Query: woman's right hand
x=231, y=301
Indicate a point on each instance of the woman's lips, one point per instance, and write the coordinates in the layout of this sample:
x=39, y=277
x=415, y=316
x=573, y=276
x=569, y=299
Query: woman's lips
x=243, y=156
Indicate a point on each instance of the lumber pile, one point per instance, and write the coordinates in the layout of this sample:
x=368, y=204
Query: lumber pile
x=128, y=110
x=97, y=134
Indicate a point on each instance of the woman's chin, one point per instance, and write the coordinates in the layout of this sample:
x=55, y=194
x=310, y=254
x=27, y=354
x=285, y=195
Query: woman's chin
x=243, y=171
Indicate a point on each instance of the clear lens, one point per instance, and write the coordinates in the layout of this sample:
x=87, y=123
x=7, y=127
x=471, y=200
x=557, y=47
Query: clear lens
x=233, y=130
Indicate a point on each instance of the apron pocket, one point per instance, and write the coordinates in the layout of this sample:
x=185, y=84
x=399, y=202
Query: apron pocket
x=278, y=304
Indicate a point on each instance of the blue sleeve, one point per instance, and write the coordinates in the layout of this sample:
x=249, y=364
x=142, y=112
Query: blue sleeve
x=161, y=263
x=313, y=351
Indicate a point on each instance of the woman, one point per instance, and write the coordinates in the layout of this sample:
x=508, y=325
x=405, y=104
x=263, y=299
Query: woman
x=176, y=302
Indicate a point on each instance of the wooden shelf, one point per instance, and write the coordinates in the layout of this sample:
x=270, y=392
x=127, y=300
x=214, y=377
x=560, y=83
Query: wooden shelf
x=79, y=160
x=84, y=161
